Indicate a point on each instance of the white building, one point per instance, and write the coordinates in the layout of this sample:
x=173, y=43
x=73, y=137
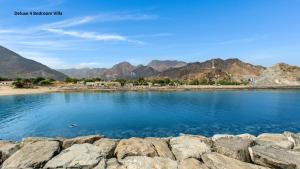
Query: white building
x=6, y=83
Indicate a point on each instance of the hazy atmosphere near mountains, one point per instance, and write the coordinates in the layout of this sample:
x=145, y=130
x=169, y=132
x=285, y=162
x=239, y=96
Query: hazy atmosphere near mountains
x=99, y=34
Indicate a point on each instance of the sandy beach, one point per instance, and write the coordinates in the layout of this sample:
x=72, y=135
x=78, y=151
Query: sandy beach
x=6, y=90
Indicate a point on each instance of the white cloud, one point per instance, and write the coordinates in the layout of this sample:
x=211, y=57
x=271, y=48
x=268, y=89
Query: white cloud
x=68, y=23
x=109, y=17
x=89, y=35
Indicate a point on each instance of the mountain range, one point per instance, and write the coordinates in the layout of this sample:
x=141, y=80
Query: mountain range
x=218, y=69
x=12, y=65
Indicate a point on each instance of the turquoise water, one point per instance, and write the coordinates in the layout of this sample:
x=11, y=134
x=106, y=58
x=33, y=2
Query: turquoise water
x=142, y=114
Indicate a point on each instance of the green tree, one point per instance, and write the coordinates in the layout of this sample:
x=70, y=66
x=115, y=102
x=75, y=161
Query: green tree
x=121, y=81
x=45, y=82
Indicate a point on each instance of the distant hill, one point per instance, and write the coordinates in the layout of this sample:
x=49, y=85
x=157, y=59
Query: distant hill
x=144, y=71
x=120, y=70
x=12, y=65
x=83, y=72
x=280, y=74
x=215, y=69
x=233, y=68
x=162, y=65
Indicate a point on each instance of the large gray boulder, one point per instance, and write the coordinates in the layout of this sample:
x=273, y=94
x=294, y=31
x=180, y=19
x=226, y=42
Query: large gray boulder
x=80, y=140
x=275, y=157
x=135, y=147
x=106, y=147
x=295, y=138
x=143, y=162
x=219, y=161
x=161, y=147
x=7, y=149
x=188, y=146
x=77, y=156
x=191, y=163
x=234, y=147
x=275, y=140
x=32, y=155
x=111, y=163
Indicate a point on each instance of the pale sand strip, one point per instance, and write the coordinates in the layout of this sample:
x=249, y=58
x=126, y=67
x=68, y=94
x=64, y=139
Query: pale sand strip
x=6, y=91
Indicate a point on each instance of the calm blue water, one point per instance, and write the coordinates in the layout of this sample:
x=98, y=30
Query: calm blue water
x=126, y=114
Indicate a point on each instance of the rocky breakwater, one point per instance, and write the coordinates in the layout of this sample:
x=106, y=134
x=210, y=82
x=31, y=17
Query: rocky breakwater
x=279, y=151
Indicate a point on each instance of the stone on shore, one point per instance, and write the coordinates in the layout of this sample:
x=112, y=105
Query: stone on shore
x=247, y=136
x=219, y=161
x=219, y=136
x=77, y=156
x=188, y=146
x=106, y=147
x=191, y=163
x=35, y=139
x=111, y=163
x=143, y=162
x=32, y=155
x=275, y=157
x=244, y=136
x=234, y=147
x=135, y=147
x=295, y=138
x=80, y=140
x=161, y=147
x=7, y=149
x=275, y=140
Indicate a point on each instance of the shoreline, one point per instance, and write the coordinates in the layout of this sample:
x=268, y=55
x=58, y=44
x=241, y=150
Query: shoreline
x=9, y=91
x=244, y=151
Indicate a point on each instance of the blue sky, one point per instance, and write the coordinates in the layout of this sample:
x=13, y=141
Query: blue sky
x=98, y=33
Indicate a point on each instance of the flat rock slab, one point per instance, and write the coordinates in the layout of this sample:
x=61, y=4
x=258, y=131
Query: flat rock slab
x=244, y=136
x=219, y=161
x=35, y=139
x=32, y=155
x=276, y=140
x=80, y=140
x=135, y=147
x=143, y=162
x=247, y=136
x=191, y=163
x=234, y=147
x=187, y=146
x=275, y=157
x=106, y=147
x=77, y=156
x=7, y=149
x=161, y=147
x=219, y=136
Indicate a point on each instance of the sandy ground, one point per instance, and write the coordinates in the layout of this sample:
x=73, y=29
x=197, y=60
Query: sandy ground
x=6, y=90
